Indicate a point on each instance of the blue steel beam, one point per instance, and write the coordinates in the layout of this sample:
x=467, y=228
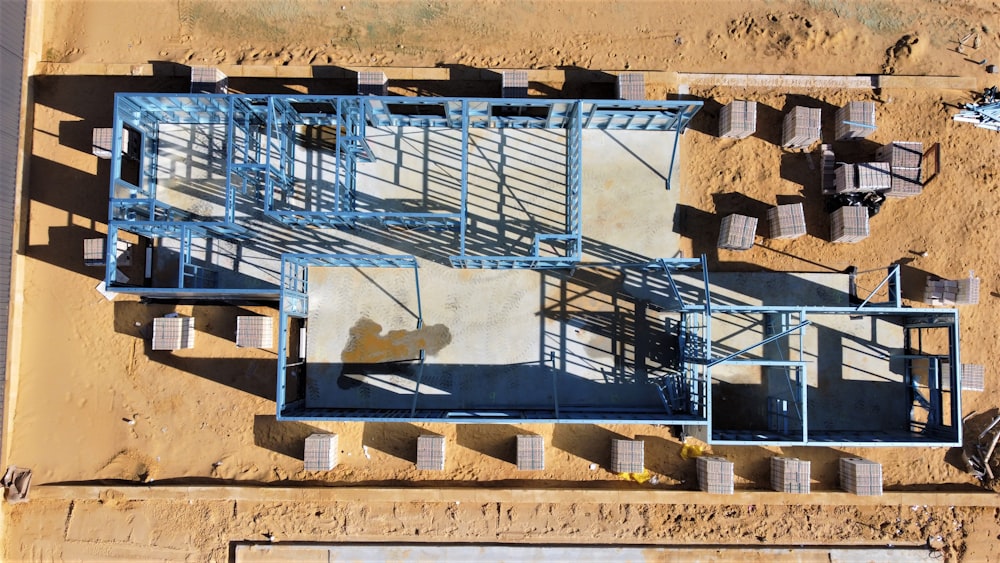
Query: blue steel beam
x=893, y=273
x=767, y=340
x=464, y=180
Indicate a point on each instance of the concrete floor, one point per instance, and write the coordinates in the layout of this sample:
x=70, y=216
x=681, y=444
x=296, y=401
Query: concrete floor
x=508, y=339
x=517, y=188
x=854, y=384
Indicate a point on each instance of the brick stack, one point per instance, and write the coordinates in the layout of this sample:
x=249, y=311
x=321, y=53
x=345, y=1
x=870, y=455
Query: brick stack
x=254, y=331
x=737, y=232
x=787, y=221
x=849, y=224
x=627, y=456
x=828, y=164
x=514, y=83
x=973, y=377
x=856, y=120
x=860, y=476
x=738, y=119
x=951, y=292
x=801, y=127
x=905, y=159
x=373, y=83
x=530, y=452
x=208, y=80
x=715, y=475
x=320, y=452
x=430, y=452
x=631, y=86
x=790, y=475
x=861, y=177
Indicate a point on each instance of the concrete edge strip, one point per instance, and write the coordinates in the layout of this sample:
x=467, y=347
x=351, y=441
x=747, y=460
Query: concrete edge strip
x=504, y=495
x=773, y=81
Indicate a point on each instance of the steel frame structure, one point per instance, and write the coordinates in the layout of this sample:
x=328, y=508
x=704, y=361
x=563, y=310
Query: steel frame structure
x=685, y=393
x=260, y=132
x=260, y=162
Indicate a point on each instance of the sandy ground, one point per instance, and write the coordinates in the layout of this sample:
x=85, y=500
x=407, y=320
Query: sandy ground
x=207, y=415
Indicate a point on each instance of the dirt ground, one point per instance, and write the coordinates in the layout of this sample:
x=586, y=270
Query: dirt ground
x=93, y=403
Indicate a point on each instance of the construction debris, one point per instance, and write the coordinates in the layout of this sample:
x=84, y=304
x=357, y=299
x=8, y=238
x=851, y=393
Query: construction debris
x=980, y=462
x=16, y=482
x=984, y=113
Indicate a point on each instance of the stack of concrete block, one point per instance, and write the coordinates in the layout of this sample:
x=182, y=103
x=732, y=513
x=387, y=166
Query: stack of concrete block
x=737, y=232
x=828, y=165
x=530, y=452
x=627, y=456
x=631, y=86
x=951, y=292
x=738, y=119
x=860, y=476
x=430, y=452
x=787, y=221
x=801, y=127
x=905, y=159
x=373, y=83
x=320, y=452
x=856, y=120
x=208, y=80
x=862, y=177
x=973, y=377
x=790, y=475
x=173, y=333
x=849, y=224
x=254, y=331
x=715, y=475
x=101, y=142
x=514, y=83
x=93, y=251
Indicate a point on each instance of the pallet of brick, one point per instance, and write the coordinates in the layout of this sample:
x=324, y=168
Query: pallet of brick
x=872, y=176
x=801, y=127
x=845, y=178
x=430, y=452
x=715, y=475
x=787, y=221
x=940, y=292
x=849, y=224
x=828, y=166
x=973, y=377
x=627, y=456
x=856, y=120
x=790, y=475
x=514, y=83
x=860, y=476
x=173, y=333
x=372, y=83
x=208, y=80
x=101, y=142
x=862, y=177
x=320, y=452
x=738, y=119
x=93, y=251
x=905, y=182
x=904, y=154
x=968, y=291
x=951, y=292
x=254, y=331
x=631, y=86
x=530, y=452
x=737, y=232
